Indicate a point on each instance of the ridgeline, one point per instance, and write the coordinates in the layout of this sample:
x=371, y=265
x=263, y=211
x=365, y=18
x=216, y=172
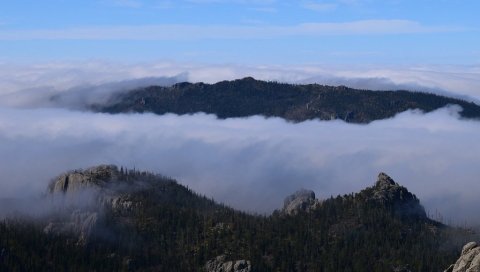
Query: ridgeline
x=297, y=103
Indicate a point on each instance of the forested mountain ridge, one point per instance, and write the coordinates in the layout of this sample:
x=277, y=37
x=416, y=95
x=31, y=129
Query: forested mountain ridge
x=138, y=221
x=248, y=97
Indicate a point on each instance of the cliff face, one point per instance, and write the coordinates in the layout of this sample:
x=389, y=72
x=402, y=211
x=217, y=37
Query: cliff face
x=82, y=197
x=94, y=178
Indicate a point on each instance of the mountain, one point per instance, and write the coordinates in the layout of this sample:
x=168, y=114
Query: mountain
x=248, y=97
x=107, y=218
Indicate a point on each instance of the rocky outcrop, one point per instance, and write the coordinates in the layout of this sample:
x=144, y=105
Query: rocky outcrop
x=81, y=197
x=77, y=180
x=220, y=264
x=389, y=193
x=469, y=260
x=301, y=201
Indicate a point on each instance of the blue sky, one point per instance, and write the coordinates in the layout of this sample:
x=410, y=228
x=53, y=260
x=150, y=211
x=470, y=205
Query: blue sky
x=353, y=32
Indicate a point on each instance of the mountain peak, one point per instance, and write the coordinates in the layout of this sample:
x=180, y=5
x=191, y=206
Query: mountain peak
x=389, y=193
x=384, y=181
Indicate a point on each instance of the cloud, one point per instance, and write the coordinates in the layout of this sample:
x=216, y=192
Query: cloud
x=265, y=9
x=24, y=85
x=248, y=163
x=254, y=2
x=79, y=97
x=164, y=4
x=167, y=4
x=319, y=6
x=251, y=163
x=126, y=3
x=200, y=32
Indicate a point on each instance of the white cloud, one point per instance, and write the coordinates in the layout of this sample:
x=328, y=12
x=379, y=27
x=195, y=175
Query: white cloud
x=265, y=9
x=238, y=159
x=320, y=6
x=164, y=4
x=255, y=2
x=198, y=32
x=168, y=4
x=251, y=163
x=20, y=84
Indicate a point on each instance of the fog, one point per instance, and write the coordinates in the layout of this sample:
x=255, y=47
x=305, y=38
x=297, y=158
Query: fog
x=251, y=163
x=82, y=96
x=72, y=85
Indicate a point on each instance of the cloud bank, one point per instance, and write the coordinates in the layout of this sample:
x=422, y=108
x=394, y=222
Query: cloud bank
x=253, y=163
x=34, y=85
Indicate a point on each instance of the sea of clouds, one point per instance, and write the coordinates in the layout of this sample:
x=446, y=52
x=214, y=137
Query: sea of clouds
x=248, y=163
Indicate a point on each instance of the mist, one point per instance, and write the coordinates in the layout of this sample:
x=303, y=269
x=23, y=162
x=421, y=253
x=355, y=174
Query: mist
x=77, y=85
x=82, y=96
x=251, y=163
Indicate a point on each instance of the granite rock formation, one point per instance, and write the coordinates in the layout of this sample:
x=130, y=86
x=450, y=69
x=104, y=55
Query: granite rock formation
x=300, y=201
x=469, y=260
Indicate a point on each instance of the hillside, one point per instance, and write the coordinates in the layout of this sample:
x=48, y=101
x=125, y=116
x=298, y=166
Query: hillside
x=247, y=97
x=138, y=221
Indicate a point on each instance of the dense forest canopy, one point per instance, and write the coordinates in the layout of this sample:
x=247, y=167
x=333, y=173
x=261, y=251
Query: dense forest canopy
x=247, y=97
x=156, y=224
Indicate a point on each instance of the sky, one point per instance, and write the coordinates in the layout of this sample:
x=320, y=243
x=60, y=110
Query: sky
x=252, y=32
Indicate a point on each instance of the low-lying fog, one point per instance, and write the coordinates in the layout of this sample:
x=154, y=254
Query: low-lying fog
x=252, y=163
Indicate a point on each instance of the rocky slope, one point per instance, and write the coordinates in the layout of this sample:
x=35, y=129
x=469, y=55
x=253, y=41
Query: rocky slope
x=247, y=97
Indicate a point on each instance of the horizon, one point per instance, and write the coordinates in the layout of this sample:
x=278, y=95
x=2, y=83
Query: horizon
x=427, y=46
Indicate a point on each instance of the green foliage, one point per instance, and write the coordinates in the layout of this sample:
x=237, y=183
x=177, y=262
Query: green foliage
x=247, y=97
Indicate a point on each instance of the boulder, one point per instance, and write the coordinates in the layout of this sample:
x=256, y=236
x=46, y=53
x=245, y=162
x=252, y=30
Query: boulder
x=469, y=260
x=301, y=201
